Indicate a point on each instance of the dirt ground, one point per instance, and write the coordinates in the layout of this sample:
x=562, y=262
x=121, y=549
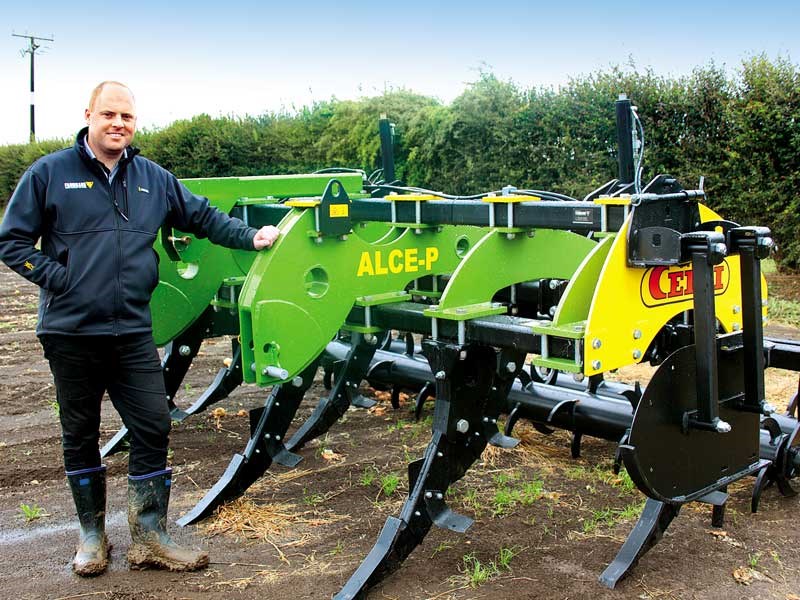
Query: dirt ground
x=546, y=525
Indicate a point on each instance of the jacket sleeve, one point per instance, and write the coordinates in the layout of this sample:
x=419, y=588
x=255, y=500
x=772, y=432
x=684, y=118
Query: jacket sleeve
x=21, y=228
x=192, y=213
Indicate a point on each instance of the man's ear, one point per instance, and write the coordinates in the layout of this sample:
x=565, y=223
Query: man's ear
x=86, y=115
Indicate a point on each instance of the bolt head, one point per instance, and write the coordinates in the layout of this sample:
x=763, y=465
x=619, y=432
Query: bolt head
x=184, y=350
x=511, y=366
x=637, y=354
x=596, y=343
x=462, y=426
x=296, y=382
x=637, y=334
x=596, y=364
x=429, y=494
x=440, y=375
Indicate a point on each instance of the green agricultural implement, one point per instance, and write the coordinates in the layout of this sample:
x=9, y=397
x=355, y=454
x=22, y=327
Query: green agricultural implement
x=630, y=273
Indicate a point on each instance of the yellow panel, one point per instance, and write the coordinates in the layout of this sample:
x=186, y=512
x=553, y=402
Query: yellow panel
x=631, y=305
x=411, y=197
x=613, y=200
x=303, y=203
x=509, y=199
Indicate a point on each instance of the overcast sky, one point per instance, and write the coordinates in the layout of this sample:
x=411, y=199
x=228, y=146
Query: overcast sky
x=241, y=57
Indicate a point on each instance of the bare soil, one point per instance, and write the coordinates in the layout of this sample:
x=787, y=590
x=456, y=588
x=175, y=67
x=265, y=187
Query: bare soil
x=300, y=533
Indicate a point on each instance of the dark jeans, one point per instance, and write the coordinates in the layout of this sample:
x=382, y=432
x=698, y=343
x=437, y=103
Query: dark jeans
x=128, y=367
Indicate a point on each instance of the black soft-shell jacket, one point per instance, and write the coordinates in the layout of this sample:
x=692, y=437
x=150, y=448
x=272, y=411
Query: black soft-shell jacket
x=97, y=267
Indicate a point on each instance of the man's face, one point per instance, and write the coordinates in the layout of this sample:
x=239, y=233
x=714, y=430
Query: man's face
x=112, y=121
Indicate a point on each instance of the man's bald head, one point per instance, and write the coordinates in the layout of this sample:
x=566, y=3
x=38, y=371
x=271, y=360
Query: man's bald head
x=96, y=91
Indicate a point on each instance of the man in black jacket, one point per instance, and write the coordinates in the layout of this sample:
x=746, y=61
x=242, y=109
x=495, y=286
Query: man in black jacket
x=97, y=208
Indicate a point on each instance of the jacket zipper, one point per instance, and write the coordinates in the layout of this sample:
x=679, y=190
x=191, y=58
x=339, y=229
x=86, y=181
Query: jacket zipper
x=118, y=287
x=50, y=296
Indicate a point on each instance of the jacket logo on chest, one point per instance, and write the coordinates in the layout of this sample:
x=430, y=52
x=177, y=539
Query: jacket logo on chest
x=78, y=185
x=142, y=190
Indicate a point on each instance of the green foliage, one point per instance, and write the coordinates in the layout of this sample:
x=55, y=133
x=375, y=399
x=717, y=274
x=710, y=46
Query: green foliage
x=739, y=130
x=368, y=476
x=389, y=483
x=609, y=517
x=31, y=512
x=784, y=311
x=476, y=573
x=507, y=496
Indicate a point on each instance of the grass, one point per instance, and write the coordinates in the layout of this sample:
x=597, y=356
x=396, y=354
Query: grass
x=368, y=476
x=337, y=549
x=476, y=573
x=441, y=548
x=507, y=497
x=610, y=517
x=780, y=309
x=601, y=474
x=310, y=499
x=389, y=484
x=784, y=311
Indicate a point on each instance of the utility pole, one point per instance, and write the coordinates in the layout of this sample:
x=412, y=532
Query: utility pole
x=31, y=49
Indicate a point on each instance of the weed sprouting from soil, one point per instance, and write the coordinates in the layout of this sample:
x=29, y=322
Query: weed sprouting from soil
x=31, y=512
x=475, y=573
x=389, y=484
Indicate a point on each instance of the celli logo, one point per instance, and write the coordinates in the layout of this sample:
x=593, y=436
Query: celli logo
x=667, y=285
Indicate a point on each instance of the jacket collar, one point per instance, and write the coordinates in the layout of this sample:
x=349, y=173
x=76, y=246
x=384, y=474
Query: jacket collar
x=80, y=148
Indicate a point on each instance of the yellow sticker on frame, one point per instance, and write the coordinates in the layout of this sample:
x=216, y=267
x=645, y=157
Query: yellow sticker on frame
x=339, y=210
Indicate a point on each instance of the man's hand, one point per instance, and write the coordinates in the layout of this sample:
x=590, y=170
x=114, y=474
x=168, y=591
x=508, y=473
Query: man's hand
x=265, y=237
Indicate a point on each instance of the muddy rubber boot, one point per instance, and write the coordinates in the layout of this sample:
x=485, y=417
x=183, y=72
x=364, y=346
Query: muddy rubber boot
x=89, y=492
x=148, y=499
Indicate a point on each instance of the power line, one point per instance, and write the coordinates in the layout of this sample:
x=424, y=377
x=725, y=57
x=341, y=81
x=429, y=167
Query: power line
x=33, y=46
